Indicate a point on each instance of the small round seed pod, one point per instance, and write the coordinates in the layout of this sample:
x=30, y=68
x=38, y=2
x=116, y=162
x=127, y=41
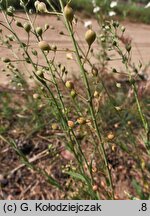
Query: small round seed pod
x=19, y=24
x=68, y=12
x=40, y=73
x=123, y=28
x=96, y=94
x=36, y=96
x=54, y=47
x=90, y=36
x=36, y=4
x=110, y=136
x=46, y=27
x=27, y=27
x=6, y=60
x=69, y=85
x=39, y=31
x=128, y=47
x=43, y=45
x=55, y=126
x=95, y=187
x=10, y=11
x=71, y=124
x=34, y=52
x=11, y=37
x=94, y=71
x=41, y=7
x=81, y=120
x=73, y=93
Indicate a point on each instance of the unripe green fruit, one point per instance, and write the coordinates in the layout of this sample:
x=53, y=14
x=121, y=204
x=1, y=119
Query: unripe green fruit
x=90, y=37
x=27, y=27
x=43, y=45
x=19, y=24
x=73, y=93
x=128, y=47
x=41, y=7
x=68, y=12
x=39, y=31
x=34, y=52
x=69, y=85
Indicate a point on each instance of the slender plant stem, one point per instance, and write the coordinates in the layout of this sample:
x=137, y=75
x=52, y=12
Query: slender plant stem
x=85, y=79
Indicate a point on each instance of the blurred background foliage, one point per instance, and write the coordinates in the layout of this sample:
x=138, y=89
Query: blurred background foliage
x=133, y=10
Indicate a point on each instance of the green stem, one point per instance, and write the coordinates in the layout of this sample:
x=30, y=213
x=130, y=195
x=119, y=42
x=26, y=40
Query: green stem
x=86, y=83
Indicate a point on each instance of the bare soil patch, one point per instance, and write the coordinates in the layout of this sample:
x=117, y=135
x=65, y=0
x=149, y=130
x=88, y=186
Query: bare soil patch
x=138, y=33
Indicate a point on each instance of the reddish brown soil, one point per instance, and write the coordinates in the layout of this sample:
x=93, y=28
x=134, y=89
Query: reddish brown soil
x=138, y=33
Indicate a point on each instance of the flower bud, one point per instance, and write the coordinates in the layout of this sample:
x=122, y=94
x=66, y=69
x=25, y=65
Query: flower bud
x=68, y=12
x=43, y=45
x=90, y=37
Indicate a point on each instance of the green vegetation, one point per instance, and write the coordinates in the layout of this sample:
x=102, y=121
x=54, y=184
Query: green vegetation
x=133, y=12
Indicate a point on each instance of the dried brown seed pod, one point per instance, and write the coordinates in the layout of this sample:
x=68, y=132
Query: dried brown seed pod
x=43, y=45
x=69, y=84
x=71, y=124
x=90, y=36
x=81, y=120
x=68, y=12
